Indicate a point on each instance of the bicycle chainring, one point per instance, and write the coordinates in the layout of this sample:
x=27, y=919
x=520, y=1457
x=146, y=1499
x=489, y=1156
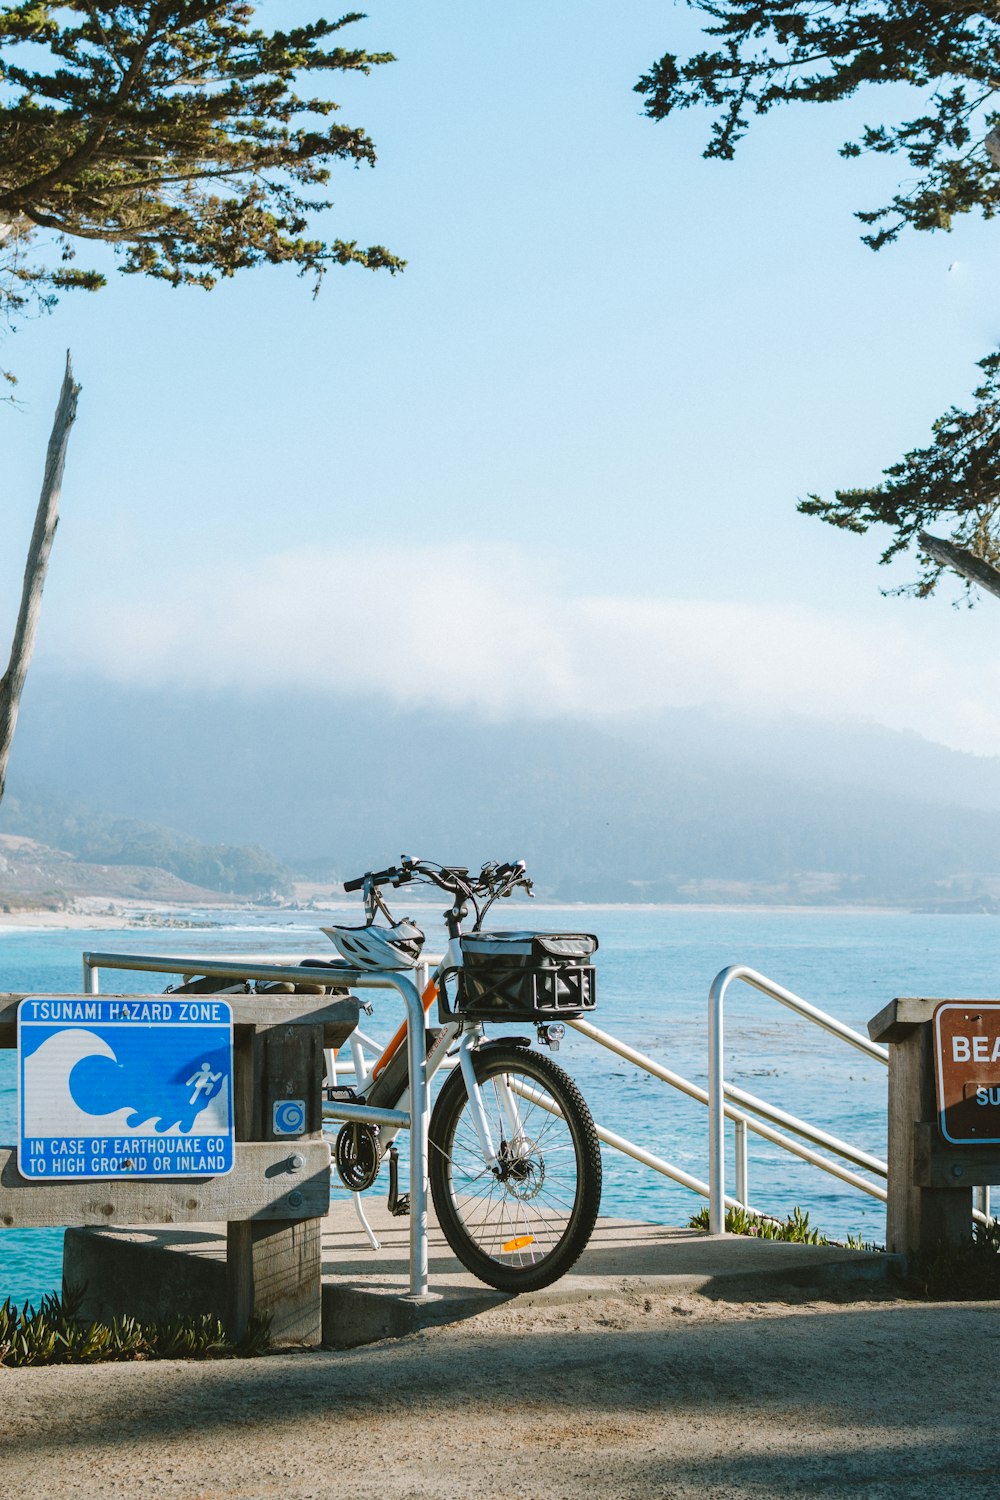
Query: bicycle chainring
x=358, y=1155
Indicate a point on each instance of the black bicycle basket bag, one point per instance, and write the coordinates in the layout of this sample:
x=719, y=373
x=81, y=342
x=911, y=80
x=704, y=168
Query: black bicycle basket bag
x=524, y=976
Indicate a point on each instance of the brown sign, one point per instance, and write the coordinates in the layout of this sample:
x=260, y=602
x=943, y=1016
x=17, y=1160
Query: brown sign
x=967, y=1071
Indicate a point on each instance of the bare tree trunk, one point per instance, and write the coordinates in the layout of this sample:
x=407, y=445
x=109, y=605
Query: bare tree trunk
x=46, y=520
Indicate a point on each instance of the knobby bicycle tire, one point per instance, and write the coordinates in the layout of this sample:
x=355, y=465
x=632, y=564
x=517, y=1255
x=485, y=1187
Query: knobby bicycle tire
x=523, y=1228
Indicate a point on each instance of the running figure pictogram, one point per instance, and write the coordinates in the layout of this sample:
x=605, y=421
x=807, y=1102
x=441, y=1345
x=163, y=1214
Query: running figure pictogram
x=202, y=1080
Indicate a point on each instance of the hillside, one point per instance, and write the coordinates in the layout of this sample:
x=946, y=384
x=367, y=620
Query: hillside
x=35, y=877
x=689, y=806
x=50, y=840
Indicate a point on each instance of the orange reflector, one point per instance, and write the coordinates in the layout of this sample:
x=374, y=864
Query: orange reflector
x=518, y=1244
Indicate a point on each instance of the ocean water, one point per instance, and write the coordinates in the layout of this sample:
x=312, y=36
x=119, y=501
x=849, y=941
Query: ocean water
x=655, y=966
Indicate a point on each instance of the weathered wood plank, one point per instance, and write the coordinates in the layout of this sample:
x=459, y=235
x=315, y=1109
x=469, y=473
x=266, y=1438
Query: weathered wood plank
x=263, y=1185
x=275, y=1269
x=275, y=1272
x=919, y=1219
x=899, y=1017
x=936, y=1164
x=338, y=1017
x=293, y=1066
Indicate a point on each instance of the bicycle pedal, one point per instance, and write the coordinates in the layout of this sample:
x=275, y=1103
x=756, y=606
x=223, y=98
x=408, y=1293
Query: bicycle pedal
x=399, y=1203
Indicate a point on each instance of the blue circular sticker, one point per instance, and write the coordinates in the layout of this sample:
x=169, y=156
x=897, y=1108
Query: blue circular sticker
x=289, y=1117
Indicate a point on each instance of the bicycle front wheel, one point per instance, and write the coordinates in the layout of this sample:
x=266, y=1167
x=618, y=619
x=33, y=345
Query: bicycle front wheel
x=520, y=1225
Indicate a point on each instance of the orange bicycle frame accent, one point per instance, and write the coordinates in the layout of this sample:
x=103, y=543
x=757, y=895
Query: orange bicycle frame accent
x=427, y=1000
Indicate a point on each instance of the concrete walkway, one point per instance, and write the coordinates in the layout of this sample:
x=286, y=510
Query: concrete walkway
x=156, y=1272
x=648, y=1398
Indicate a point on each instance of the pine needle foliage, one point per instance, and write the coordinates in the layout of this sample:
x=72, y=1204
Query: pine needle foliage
x=954, y=481
x=52, y=1334
x=946, y=54
x=772, y=52
x=178, y=133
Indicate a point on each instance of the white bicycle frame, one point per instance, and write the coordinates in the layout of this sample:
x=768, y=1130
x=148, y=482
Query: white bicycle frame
x=390, y=1121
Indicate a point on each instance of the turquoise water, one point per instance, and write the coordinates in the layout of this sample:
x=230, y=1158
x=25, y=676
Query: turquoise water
x=655, y=968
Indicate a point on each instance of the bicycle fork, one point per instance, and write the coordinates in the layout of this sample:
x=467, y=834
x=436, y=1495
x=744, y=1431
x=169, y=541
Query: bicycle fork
x=510, y=1116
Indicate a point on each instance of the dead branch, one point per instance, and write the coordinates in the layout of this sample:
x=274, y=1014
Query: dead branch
x=36, y=567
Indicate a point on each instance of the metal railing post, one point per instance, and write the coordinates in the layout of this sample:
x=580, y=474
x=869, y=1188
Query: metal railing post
x=716, y=1082
x=716, y=1108
x=416, y=1050
x=757, y=1126
x=740, y=1142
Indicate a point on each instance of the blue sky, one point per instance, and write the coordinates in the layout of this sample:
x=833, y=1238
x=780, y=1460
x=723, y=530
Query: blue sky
x=581, y=418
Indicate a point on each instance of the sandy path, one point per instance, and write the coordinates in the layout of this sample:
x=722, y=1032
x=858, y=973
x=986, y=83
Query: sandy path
x=617, y=1399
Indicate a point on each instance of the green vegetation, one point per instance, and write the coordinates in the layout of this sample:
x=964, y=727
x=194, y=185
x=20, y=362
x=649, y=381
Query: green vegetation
x=794, y=1229
x=100, y=838
x=175, y=134
x=51, y=1335
x=970, y=1273
x=858, y=1242
x=939, y=60
x=956, y=476
x=777, y=52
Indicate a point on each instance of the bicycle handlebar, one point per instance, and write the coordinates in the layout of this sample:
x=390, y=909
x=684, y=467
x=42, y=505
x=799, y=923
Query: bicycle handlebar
x=373, y=877
x=492, y=881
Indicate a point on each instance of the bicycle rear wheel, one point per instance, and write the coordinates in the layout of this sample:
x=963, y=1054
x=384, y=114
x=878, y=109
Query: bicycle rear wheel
x=520, y=1226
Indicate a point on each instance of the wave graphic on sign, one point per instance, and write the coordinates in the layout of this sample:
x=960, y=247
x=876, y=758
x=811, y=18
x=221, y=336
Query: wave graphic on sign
x=76, y=1083
x=49, y=1106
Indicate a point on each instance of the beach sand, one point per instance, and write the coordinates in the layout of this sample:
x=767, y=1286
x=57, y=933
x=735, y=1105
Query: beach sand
x=618, y=1397
x=96, y=913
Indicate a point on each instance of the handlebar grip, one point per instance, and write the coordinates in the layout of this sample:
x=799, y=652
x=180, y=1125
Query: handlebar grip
x=377, y=877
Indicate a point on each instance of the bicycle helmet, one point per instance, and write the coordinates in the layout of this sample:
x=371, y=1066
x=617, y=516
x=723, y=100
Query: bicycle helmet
x=370, y=947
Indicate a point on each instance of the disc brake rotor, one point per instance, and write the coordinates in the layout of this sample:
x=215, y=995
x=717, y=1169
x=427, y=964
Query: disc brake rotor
x=522, y=1169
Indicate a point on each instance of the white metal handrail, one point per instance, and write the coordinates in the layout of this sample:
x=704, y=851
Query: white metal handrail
x=717, y=1089
x=629, y=1148
x=743, y=1123
x=724, y=1100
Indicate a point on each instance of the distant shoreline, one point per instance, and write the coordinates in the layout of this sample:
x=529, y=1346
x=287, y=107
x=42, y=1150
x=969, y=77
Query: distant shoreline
x=92, y=913
x=99, y=913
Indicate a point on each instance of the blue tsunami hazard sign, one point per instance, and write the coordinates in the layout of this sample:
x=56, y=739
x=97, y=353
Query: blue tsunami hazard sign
x=124, y=1086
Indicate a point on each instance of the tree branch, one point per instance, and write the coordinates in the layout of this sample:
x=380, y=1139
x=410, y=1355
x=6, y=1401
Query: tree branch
x=84, y=153
x=962, y=561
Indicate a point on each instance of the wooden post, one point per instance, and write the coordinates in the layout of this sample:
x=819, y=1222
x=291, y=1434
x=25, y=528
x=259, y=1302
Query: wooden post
x=275, y=1266
x=919, y=1218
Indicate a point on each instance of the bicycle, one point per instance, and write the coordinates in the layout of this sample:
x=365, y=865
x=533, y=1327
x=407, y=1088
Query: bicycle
x=514, y=1160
